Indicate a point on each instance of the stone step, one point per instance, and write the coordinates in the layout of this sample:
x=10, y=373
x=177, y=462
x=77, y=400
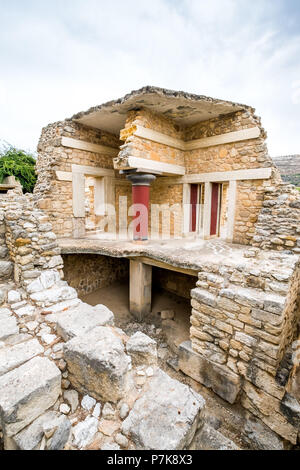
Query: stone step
x=208, y=438
x=55, y=294
x=15, y=356
x=61, y=306
x=16, y=339
x=166, y=417
x=31, y=437
x=98, y=365
x=82, y=319
x=26, y=393
x=8, y=324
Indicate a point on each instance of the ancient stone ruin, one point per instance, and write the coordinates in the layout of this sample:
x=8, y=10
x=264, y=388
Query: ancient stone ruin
x=163, y=191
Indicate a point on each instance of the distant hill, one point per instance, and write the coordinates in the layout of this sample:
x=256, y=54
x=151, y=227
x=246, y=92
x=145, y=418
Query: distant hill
x=289, y=167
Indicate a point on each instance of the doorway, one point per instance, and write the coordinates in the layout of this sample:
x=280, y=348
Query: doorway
x=219, y=210
x=196, y=208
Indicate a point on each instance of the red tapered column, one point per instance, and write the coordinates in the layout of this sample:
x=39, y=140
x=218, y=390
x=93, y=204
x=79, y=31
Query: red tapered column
x=140, y=199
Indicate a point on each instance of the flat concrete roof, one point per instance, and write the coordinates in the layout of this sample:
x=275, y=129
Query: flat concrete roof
x=183, y=108
x=193, y=255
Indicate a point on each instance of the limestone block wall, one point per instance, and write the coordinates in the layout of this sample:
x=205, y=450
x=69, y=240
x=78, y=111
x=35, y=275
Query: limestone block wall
x=278, y=225
x=244, y=318
x=55, y=195
x=87, y=273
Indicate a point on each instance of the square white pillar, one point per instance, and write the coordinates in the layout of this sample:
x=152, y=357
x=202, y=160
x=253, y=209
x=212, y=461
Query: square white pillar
x=232, y=191
x=207, y=210
x=186, y=200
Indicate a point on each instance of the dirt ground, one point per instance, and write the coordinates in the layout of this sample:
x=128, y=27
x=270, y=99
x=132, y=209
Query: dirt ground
x=168, y=334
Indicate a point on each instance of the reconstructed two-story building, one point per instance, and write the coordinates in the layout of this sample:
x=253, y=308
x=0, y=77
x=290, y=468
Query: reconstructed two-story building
x=184, y=184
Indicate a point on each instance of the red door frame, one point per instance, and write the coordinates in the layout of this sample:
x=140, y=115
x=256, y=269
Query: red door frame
x=194, y=202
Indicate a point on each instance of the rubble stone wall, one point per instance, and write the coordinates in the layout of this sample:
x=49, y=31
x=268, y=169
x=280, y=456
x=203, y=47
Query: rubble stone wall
x=87, y=273
x=30, y=241
x=243, y=320
x=249, y=200
x=278, y=226
x=6, y=265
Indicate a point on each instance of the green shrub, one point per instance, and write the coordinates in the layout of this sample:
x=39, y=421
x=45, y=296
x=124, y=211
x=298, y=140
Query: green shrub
x=18, y=163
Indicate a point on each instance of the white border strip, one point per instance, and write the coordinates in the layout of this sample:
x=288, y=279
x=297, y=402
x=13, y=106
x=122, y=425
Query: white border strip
x=88, y=147
x=230, y=137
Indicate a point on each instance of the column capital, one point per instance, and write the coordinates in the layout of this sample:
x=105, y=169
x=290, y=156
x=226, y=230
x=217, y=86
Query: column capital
x=141, y=179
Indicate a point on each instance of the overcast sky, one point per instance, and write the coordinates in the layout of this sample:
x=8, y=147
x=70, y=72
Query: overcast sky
x=59, y=57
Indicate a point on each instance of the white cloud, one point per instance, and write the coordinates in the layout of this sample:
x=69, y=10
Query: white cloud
x=58, y=58
x=296, y=92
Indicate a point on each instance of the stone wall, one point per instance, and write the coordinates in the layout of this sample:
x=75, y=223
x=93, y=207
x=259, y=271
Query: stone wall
x=228, y=157
x=278, y=225
x=31, y=244
x=54, y=195
x=87, y=273
x=244, y=319
x=144, y=148
x=6, y=265
x=250, y=195
x=177, y=283
x=244, y=155
x=169, y=199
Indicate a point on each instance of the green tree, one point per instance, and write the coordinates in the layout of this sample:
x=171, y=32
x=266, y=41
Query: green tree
x=18, y=163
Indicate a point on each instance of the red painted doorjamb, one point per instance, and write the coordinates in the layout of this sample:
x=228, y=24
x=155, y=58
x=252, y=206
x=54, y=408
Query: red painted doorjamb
x=193, y=202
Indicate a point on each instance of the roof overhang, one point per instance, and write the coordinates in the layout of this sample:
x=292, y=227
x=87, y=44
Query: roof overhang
x=183, y=108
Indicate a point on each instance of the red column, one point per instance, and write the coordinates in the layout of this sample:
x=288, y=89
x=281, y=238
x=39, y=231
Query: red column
x=140, y=199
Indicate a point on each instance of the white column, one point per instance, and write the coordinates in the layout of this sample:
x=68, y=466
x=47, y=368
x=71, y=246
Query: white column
x=207, y=210
x=232, y=190
x=186, y=199
x=78, y=195
x=140, y=289
x=99, y=197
